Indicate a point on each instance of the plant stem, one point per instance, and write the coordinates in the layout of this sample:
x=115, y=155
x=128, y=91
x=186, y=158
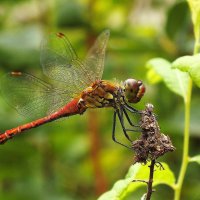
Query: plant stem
x=185, y=155
x=197, y=39
x=150, y=182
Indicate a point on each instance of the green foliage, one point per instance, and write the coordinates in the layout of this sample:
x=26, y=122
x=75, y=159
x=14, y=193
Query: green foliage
x=195, y=12
x=18, y=44
x=195, y=159
x=138, y=172
x=174, y=79
x=190, y=64
x=176, y=24
x=178, y=77
x=71, y=13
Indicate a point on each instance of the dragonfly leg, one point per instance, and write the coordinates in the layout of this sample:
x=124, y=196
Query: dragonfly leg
x=121, y=119
x=122, y=110
x=131, y=109
x=128, y=118
x=113, y=132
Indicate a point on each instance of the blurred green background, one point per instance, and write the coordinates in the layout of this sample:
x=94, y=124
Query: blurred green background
x=75, y=158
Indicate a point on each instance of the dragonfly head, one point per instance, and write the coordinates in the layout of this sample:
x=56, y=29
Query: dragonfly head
x=134, y=90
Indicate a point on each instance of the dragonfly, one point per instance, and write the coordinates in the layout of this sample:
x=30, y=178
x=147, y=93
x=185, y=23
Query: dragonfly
x=72, y=86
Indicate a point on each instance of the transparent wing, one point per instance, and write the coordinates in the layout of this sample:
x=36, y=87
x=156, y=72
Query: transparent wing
x=69, y=76
x=31, y=96
x=60, y=62
x=94, y=61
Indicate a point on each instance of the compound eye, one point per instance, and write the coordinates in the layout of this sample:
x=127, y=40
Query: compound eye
x=139, y=82
x=130, y=84
x=134, y=90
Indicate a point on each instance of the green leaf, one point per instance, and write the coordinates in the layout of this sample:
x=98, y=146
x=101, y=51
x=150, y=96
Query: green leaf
x=174, y=79
x=165, y=176
x=153, y=77
x=195, y=159
x=195, y=12
x=120, y=187
x=195, y=9
x=183, y=63
x=190, y=64
x=138, y=172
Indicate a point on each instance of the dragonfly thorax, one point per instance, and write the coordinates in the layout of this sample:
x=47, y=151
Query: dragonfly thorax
x=100, y=94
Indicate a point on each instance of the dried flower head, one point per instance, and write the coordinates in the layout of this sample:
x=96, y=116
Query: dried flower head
x=152, y=143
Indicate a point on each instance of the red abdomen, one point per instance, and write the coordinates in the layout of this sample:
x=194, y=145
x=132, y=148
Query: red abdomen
x=71, y=108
